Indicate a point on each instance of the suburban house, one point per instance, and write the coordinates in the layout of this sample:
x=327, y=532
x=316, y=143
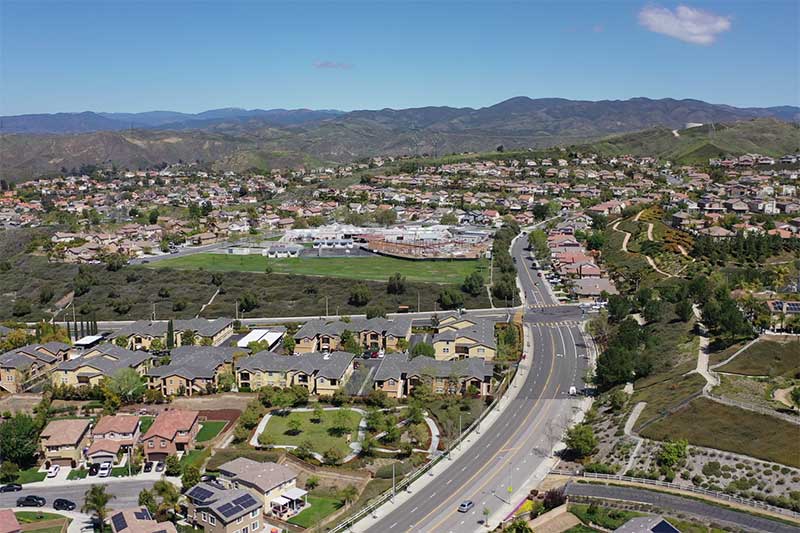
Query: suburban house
x=591, y=289
x=138, y=520
x=30, y=362
x=94, y=364
x=142, y=333
x=373, y=333
x=112, y=436
x=398, y=374
x=647, y=524
x=192, y=370
x=218, y=509
x=321, y=373
x=62, y=441
x=274, y=483
x=172, y=431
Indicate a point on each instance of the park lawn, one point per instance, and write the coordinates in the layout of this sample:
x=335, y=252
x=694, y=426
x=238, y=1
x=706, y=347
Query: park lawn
x=29, y=517
x=145, y=422
x=375, y=268
x=209, y=429
x=320, y=435
x=30, y=475
x=730, y=429
x=319, y=508
x=603, y=517
x=766, y=358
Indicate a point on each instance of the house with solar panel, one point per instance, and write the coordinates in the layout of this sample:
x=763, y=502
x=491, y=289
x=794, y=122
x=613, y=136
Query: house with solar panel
x=275, y=484
x=218, y=509
x=138, y=520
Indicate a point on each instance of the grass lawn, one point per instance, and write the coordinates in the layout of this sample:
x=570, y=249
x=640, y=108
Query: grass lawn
x=320, y=435
x=766, y=358
x=121, y=471
x=707, y=423
x=209, y=429
x=603, y=517
x=52, y=529
x=77, y=473
x=145, y=422
x=376, y=268
x=195, y=457
x=580, y=528
x=28, y=517
x=30, y=475
x=319, y=508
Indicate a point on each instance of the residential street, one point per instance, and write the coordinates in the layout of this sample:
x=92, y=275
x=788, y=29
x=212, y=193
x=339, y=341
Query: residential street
x=126, y=492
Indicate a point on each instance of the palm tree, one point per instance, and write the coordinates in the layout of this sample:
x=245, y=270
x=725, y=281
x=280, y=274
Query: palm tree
x=348, y=494
x=95, y=501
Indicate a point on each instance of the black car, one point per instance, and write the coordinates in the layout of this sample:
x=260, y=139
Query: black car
x=31, y=501
x=11, y=487
x=148, y=466
x=60, y=504
x=93, y=469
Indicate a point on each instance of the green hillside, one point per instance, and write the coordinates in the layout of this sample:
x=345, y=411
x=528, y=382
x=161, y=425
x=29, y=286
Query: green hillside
x=697, y=145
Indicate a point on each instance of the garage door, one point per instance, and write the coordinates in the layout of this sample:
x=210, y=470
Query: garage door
x=157, y=457
x=61, y=462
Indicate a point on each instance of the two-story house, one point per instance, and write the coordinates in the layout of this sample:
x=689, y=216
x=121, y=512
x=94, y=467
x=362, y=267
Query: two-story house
x=62, y=441
x=112, y=436
x=274, y=483
x=321, y=373
x=172, y=432
x=218, y=509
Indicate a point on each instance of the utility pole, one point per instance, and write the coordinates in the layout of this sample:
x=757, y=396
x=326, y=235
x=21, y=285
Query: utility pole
x=154, y=311
x=419, y=308
x=459, y=433
x=326, y=307
x=393, y=485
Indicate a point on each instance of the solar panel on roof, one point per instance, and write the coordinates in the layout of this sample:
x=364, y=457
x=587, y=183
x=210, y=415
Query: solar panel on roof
x=200, y=493
x=228, y=509
x=118, y=520
x=143, y=514
x=244, y=501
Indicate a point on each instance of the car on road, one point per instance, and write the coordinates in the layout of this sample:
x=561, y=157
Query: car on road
x=31, y=501
x=53, y=471
x=105, y=470
x=159, y=466
x=465, y=506
x=93, y=468
x=148, y=466
x=11, y=487
x=60, y=504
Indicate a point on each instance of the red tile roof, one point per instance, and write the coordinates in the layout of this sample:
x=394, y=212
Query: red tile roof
x=168, y=423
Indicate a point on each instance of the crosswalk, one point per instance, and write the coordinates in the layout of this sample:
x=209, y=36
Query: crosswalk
x=558, y=323
x=542, y=306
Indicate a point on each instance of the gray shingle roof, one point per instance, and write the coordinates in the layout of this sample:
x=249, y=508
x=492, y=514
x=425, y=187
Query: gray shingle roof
x=194, y=362
x=106, y=358
x=22, y=357
x=482, y=333
x=397, y=366
x=158, y=328
x=214, y=497
x=331, y=366
x=396, y=327
x=263, y=476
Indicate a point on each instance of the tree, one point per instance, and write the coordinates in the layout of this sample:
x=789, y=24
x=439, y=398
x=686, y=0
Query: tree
x=423, y=349
x=288, y=344
x=554, y=498
x=449, y=219
x=348, y=494
x=96, y=502
x=653, y=310
x=359, y=295
x=397, y=284
x=332, y=456
x=147, y=499
x=127, y=384
x=121, y=341
x=168, y=496
x=153, y=216
x=115, y=262
x=173, y=466
x=188, y=337
x=473, y=283
x=450, y=298
x=581, y=440
x=375, y=311
x=341, y=422
x=294, y=424
x=537, y=240
x=19, y=436
x=796, y=396
x=318, y=413
x=227, y=380
x=248, y=301
x=618, y=308
x=190, y=477
x=8, y=471
x=385, y=217
x=312, y=482
x=170, y=335
x=684, y=309
x=350, y=342
x=518, y=526
x=672, y=453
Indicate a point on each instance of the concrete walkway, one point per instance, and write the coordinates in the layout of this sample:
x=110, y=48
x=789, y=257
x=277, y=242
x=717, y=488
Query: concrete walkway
x=628, y=430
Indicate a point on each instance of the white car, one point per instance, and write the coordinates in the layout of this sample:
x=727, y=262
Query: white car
x=53, y=471
x=105, y=470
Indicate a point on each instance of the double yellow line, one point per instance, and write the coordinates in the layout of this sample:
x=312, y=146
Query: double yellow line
x=505, y=445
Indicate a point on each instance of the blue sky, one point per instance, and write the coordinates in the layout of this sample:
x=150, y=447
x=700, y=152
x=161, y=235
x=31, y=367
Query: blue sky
x=192, y=56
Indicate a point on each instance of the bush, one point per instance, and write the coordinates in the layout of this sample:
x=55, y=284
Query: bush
x=400, y=470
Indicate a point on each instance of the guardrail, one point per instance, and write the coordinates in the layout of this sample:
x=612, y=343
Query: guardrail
x=793, y=419
x=419, y=472
x=696, y=490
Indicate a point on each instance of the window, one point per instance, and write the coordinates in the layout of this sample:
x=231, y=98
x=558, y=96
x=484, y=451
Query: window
x=245, y=529
x=212, y=520
x=446, y=350
x=481, y=350
x=64, y=379
x=204, y=517
x=10, y=377
x=151, y=444
x=163, y=443
x=254, y=526
x=239, y=520
x=254, y=513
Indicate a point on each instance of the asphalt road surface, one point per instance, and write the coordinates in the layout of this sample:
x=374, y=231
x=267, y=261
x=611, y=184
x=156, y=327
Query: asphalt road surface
x=677, y=503
x=506, y=455
x=126, y=492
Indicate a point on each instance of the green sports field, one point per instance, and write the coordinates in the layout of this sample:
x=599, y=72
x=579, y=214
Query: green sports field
x=375, y=268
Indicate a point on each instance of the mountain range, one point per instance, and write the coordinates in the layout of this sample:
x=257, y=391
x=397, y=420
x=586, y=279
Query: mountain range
x=240, y=139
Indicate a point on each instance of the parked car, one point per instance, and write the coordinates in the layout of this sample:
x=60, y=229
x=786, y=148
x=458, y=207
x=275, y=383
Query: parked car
x=93, y=468
x=31, y=501
x=60, y=504
x=208, y=477
x=465, y=506
x=53, y=471
x=148, y=466
x=11, y=487
x=159, y=466
x=105, y=470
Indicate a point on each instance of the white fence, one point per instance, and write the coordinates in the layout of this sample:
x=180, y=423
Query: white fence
x=696, y=490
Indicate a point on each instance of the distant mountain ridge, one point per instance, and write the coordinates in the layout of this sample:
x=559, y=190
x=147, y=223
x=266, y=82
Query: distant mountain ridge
x=242, y=139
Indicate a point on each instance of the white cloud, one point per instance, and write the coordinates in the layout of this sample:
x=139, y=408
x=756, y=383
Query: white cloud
x=685, y=23
x=335, y=65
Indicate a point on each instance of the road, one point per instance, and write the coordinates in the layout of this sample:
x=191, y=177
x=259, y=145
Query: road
x=126, y=492
x=714, y=513
x=504, y=457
